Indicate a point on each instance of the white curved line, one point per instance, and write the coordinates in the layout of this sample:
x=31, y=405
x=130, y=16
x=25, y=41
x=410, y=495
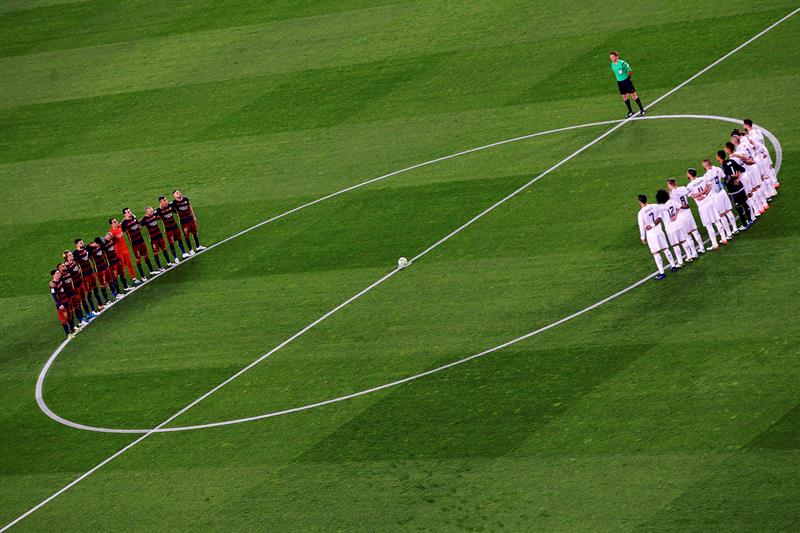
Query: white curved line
x=160, y=429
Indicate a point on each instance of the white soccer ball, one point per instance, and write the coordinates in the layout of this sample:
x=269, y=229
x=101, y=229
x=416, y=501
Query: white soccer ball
x=402, y=262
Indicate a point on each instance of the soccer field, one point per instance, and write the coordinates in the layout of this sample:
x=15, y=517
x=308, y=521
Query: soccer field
x=674, y=405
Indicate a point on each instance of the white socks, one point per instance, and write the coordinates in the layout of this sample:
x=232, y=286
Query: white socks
x=669, y=257
x=678, y=256
x=727, y=230
x=769, y=187
x=688, y=245
x=762, y=200
x=712, y=235
x=731, y=221
x=699, y=239
x=659, y=262
x=754, y=211
x=722, y=228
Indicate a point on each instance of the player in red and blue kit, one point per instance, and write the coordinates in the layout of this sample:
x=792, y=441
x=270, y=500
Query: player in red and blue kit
x=167, y=216
x=183, y=208
x=84, y=260
x=151, y=221
x=71, y=295
x=80, y=287
x=116, y=271
x=104, y=277
x=133, y=229
x=57, y=292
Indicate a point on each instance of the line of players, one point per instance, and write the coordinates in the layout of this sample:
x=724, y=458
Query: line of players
x=92, y=276
x=745, y=180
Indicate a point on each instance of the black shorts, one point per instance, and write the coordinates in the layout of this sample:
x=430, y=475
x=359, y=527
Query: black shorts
x=739, y=197
x=626, y=86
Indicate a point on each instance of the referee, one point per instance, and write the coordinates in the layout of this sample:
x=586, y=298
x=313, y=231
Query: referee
x=622, y=70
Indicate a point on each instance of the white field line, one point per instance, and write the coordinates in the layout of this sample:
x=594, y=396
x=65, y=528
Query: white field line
x=168, y=420
x=778, y=158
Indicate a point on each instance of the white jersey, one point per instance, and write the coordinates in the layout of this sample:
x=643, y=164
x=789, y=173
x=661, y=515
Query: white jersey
x=705, y=206
x=744, y=177
x=747, y=147
x=752, y=172
x=763, y=161
x=760, y=149
x=671, y=212
x=756, y=137
x=680, y=195
x=735, y=157
x=698, y=186
x=650, y=216
x=762, y=156
x=715, y=177
x=676, y=230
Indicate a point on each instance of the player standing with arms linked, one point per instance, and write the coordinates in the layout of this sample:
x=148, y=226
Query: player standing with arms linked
x=80, y=288
x=171, y=229
x=676, y=232
x=183, y=208
x=84, y=260
x=622, y=71
x=652, y=235
x=133, y=229
x=62, y=305
x=115, y=266
x=70, y=293
x=151, y=221
x=700, y=190
x=681, y=195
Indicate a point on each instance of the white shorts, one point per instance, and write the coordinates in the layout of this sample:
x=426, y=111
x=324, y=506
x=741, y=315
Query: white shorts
x=763, y=166
x=676, y=233
x=754, y=174
x=766, y=155
x=656, y=240
x=708, y=212
x=721, y=201
x=747, y=182
x=686, y=218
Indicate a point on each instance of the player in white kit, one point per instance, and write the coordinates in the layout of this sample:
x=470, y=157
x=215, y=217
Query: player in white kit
x=738, y=158
x=746, y=155
x=681, y=195
x=651, y=233
x=700, y=190
x=755, y=151
x=715, y=177
x=676, y=233
x=756, y=136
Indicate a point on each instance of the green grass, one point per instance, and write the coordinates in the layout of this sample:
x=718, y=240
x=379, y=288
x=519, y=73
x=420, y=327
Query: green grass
x=673, y=407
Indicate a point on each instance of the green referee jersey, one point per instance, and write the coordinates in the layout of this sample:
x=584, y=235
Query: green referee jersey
x=621, y=69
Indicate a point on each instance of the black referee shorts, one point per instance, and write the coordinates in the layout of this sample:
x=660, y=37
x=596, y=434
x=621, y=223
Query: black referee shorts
x=626, y=86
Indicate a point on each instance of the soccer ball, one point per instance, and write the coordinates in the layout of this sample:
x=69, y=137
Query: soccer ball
x=402, y=262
